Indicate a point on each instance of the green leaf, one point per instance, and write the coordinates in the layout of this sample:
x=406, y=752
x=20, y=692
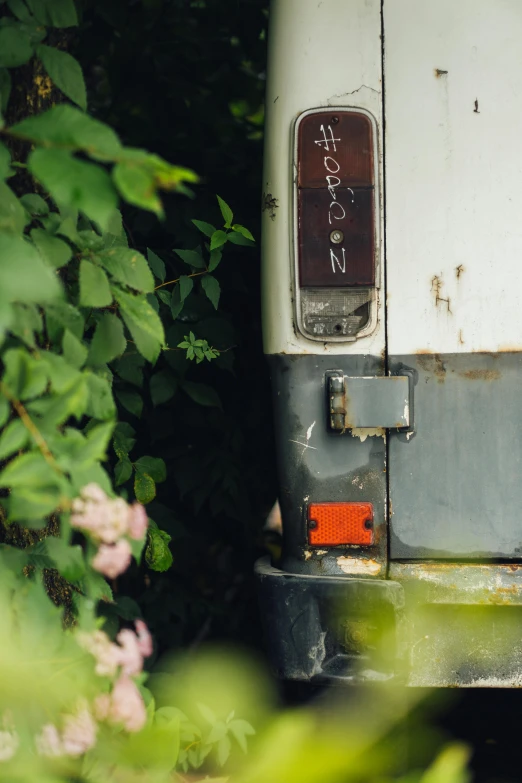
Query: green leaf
x=163, y=387
x=191, y=257
x=4, y=410
x=75, y=183
x=97, y=442
x=20, y=10
x=131, y=401
x=205, y=228
x=5, y=159
x=144, y=487
x=25, y=322
x=218, y=239
x=68, y=560
x=5, y=90
x=130, y=368
x=66, y=126
x=239, y=239
x=240, y=729
x=63, y=315
x=215, y=258
x=156, y=264
x=14, y=437
x=227, y=213
x=202, y=394
x=223, y=750
x=207, y=713
x=15, y=46
x=137, y=185
x=186, y=285
x=54, y=251
x=143, y=323
x=13, y=216
x=157, y=553
x=100, y=403
x=95, y=290
x=74, y=351
x=108, y=341
x=35, y=204
x=62, y=13
x=128, y=267
x=33, y=281
x=176, y=303
x=66, y=73
x=153, y=466
x=243, y=231
x=122, y=471
x=211, y=287
x=217, y=732
x=28, y=470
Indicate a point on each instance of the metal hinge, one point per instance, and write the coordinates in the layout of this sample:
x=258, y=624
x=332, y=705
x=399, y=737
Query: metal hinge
x=381, y=401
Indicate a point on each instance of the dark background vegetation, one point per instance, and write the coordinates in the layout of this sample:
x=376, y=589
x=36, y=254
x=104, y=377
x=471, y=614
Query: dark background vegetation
x=186, y=80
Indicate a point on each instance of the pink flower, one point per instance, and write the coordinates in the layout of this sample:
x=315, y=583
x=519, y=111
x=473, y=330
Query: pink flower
x=144, y=638
x=9, y=741
x=48, y=742
x=106, y=653
x=138, y=521
x=105, y=519
x=112, y=560
x=130, y=657
x=79, y=733
x=102, y=706
x=127, y=708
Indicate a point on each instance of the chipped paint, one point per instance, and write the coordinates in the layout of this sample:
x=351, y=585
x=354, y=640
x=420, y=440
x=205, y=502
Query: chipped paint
x=321, y=552
x=367, y=432
x=359, y=566
x=307, y=554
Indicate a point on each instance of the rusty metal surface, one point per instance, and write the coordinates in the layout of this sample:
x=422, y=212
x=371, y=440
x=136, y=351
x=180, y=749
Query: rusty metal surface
x=455, y=482
x=457, y=583
x=316, y=465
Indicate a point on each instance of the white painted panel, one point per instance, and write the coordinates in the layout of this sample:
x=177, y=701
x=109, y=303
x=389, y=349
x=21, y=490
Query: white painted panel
x=453, y=175
x=321, y=53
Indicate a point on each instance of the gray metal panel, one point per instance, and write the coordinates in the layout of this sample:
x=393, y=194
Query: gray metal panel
x=318, y=465
x=378, y=402
x=456, y=482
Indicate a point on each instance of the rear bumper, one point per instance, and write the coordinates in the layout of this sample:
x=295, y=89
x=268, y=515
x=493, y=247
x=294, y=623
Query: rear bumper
x=422, y=628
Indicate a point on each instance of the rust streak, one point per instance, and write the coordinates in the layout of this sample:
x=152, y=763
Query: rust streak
x=436, y=287
x=459, y=270
x=481, y=375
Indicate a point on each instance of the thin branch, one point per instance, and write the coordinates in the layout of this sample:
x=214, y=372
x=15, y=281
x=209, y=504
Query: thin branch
x=31, y=427
x=194, y=274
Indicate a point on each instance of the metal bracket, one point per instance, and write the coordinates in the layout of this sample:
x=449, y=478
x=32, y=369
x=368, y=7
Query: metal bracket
x=376, y=402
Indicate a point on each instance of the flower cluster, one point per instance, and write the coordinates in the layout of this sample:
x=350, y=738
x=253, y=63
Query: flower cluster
x=124, y=705
x=110, y=523
x=78, y=735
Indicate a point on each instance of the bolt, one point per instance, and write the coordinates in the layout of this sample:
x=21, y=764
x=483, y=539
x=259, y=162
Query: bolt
x=368, y=524
x=334, y=120
x=336, y=236
x=312, y=524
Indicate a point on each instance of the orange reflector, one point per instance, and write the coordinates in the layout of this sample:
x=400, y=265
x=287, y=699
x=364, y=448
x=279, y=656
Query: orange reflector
x=331, y=524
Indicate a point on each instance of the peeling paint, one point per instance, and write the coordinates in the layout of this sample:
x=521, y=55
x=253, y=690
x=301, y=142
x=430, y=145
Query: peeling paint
x=359, y=565
x=367, y=432
x=321, y=551
x=307, y=554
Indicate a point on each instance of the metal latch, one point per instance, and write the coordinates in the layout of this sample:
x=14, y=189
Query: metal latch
x=369, y=402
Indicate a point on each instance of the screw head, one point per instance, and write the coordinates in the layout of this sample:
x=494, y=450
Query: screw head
x=336, y=236
x=312, y=524
x=368, y=524
x=334, y=120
